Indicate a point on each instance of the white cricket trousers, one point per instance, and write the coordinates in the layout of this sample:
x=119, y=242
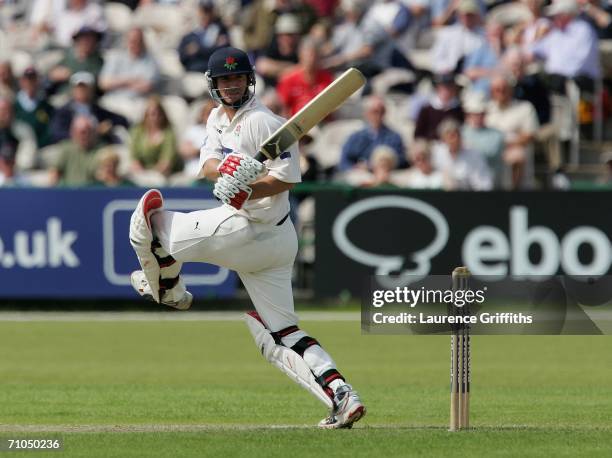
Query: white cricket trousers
x=261, y=254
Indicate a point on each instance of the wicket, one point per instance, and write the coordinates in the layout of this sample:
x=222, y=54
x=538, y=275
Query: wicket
x=460, y=357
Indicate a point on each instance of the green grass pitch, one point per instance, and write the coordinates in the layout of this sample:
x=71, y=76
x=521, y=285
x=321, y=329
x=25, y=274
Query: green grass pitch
x=200, y=388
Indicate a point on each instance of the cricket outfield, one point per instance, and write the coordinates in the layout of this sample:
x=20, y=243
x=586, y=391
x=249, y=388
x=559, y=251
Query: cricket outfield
x=127, y=385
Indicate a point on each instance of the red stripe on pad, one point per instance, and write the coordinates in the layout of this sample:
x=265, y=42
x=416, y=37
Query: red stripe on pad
x=285, y=332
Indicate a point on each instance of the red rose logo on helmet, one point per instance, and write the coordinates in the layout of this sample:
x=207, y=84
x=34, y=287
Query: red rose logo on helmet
x=230, y=63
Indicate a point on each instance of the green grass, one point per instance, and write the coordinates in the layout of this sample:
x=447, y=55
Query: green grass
x=121, y=382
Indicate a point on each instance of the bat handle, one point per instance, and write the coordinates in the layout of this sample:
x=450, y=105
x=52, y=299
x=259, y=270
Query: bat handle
x=260, y=157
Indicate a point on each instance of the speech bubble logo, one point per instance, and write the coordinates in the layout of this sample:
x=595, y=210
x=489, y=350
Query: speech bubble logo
x=386, y=264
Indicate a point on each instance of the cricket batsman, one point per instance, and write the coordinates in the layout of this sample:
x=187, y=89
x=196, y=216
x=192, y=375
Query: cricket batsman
x=250, y=233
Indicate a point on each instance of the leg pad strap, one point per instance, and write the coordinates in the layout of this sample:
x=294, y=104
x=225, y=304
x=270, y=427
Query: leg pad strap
x=168, y=283
x=302, y=344
x=326, y=378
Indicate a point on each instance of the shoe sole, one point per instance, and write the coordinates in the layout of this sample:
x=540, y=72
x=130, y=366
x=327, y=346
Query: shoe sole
x=354, y=417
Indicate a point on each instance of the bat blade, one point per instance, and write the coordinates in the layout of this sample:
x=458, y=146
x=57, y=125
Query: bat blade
x=311, y=114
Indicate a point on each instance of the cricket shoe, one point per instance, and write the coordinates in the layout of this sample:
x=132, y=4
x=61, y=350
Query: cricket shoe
x=142, y=287
x=348, y=409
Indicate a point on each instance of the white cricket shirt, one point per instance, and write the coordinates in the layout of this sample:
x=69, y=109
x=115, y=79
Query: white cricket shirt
x=251, y=126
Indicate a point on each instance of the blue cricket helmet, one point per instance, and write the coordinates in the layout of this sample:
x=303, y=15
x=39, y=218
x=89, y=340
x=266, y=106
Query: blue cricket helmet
x=230, y=61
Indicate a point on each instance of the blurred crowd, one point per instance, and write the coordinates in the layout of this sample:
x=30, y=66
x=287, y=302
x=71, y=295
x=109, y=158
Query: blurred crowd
x=461, y=94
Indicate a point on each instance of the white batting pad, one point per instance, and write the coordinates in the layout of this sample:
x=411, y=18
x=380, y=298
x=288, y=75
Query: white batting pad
x=286, y=360
x=140, y=239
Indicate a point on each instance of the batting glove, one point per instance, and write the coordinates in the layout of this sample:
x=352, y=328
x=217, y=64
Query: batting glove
x=232, y=191
x=240, y=166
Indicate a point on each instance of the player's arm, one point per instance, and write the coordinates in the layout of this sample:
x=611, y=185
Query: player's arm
x=211, y=152
x=209, y=170
x=269, y=186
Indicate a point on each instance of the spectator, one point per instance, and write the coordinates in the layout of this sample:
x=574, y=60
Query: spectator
x=347, y=39
x=32, y=108
x=297, y=87
x=42, y=16
x=257, y=22
x=421, y=175
x=323, y=8
x=518, y=121
x=570, y=50
x=197, y=46
x=82, y=103
x=9, y=176
x=384, y=29
x=526, y=34
x=528, y=87
x=383, y=161
x=107, y=169
x=130, y=73
x=17, y=135
x=599, y=15
x=305, y=14
x=8, y=86
x=76, y=162
x=409, y=22
x=367, y=39
x=77, y=14
x=281, y=55
x=194, y=138
x=480, y=64
x=477, y=137
x=454, y=42
x=444, y=104
x=443, y=12
x=9, y=139
x=463, y=169
x=84, y=56
x=321, y=32
x=153, y=143
x=358, y=148
x=531, y=88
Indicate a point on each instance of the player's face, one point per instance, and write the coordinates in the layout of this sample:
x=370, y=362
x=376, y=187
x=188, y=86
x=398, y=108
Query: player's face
x=232, y=87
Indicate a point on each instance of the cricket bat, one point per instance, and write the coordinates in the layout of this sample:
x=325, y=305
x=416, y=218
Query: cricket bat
x=311, y=114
